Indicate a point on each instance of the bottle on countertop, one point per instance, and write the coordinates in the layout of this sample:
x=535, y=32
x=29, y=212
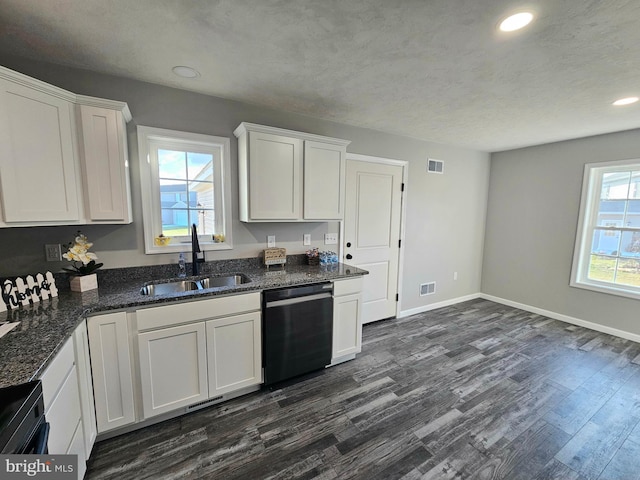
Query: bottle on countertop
x=182, y=266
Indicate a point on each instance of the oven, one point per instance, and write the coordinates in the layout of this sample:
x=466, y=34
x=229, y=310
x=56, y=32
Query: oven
x=23, y=428
x=297, y=330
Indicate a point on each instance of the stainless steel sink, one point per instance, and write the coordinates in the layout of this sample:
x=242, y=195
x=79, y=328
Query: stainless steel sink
x=228, y=281
x=181, y=286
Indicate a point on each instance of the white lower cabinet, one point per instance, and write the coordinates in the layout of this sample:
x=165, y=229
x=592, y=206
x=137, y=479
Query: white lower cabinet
x=63, y=414
x=111, y=370
x=192, y=352
x=85, y=386
x=234, y=353
x=347, y=321
x=173, y=368
x=69, y=402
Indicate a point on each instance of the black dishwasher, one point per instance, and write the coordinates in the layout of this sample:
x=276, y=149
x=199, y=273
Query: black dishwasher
x=297, y=330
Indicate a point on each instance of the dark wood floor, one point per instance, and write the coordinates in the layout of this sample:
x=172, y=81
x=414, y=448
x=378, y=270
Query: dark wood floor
x=477, y=390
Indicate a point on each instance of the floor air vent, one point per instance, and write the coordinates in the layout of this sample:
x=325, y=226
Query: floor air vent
x=435, y=166
x=427, y=289
x=206, y=403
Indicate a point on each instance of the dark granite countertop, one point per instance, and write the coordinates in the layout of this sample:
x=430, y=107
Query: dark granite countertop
x=45, y=326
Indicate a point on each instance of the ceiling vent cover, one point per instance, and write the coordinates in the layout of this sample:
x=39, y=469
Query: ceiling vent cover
x=435, y=166
x=427, y=289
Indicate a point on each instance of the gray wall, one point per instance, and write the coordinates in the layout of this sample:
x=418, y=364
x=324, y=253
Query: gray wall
x=534, y=200
x=445, y=213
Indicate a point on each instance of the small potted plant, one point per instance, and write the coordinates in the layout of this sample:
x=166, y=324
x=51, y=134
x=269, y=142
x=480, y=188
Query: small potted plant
x=84, y=264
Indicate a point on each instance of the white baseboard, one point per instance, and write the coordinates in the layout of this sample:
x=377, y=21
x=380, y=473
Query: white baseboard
x=564, y=318
x=433, y=306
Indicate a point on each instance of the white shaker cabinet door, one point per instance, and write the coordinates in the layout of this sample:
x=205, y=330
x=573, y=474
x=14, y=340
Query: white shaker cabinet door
x=275, y=177
x=324, y=181
x=347, y=319
x=85, y=386
x=105, y=164
x=347, y=325
x=234, y=347
x=111, y=369
x=38, y=168
x=173, y=368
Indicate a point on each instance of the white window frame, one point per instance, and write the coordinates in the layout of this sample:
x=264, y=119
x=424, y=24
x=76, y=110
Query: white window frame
x=587, y=221
x=149, y=139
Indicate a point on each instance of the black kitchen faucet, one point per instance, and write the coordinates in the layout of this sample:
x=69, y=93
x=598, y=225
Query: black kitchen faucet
x=195, y=250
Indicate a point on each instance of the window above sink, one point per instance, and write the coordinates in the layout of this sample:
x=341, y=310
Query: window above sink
x=185, y=179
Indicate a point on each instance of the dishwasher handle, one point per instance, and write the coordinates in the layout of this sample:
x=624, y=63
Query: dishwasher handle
x=293, y=301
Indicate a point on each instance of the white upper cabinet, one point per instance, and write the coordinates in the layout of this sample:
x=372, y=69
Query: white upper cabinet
x=289, y=176
x=324, y=174
x=105, y=162
x=37, y=161
x=63, y=157
x=274, y=177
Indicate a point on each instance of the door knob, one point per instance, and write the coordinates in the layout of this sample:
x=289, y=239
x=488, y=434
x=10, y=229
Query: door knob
x=348, y=244
x=349, y=256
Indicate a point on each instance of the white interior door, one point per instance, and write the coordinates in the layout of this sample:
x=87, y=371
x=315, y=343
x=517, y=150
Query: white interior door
x=372, y=233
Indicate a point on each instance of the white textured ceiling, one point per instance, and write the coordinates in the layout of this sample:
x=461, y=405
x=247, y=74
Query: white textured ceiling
x=431, y=69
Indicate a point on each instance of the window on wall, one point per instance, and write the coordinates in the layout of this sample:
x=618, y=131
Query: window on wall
x=607, y=252
x=185, y=180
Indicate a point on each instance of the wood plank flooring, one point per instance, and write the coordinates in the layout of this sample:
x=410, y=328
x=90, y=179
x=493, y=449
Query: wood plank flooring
x=477, y=390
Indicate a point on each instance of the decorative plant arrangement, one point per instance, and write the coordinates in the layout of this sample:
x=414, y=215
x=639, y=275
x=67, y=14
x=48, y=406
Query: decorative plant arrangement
x=84, y=264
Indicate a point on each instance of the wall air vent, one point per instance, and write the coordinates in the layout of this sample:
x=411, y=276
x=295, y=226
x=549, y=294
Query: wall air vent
x=427, y=289
x=435, y=166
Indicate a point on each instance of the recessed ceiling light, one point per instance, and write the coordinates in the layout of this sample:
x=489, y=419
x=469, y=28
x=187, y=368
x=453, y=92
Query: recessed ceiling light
x=516, y=22
x=185, y=72
x=625, y=101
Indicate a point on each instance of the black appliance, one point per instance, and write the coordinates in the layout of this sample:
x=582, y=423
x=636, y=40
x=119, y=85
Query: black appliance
x=297, y=330
x=23, y=429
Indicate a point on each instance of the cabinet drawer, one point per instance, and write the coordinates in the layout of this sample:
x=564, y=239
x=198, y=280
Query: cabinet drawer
x=347, y=287
x=56, y=372
x=64, y=415
x=157, y=317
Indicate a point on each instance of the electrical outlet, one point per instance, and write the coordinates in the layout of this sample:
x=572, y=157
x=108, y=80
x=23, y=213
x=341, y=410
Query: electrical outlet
x=455, y=275
x=330, y=238
x=306, y=239
x=271, y=241
x=53, y=253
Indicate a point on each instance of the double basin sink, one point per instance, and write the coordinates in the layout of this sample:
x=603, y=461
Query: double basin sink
x=192, y=284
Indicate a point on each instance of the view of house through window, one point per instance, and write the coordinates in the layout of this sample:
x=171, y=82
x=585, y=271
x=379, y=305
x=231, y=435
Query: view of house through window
x=185, y=180
x=186, y=192
x=610, y=241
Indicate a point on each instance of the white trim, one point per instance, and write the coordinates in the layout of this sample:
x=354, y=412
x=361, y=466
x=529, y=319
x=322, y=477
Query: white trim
x=147, y=135
x=244, y=127
x=587, y=220
x=30, y=82
x=634, y=337
x=565, y=318
x=433, y=306
x=370, y=159
x=403, y=213
x=38, y=85
x=106, y=103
